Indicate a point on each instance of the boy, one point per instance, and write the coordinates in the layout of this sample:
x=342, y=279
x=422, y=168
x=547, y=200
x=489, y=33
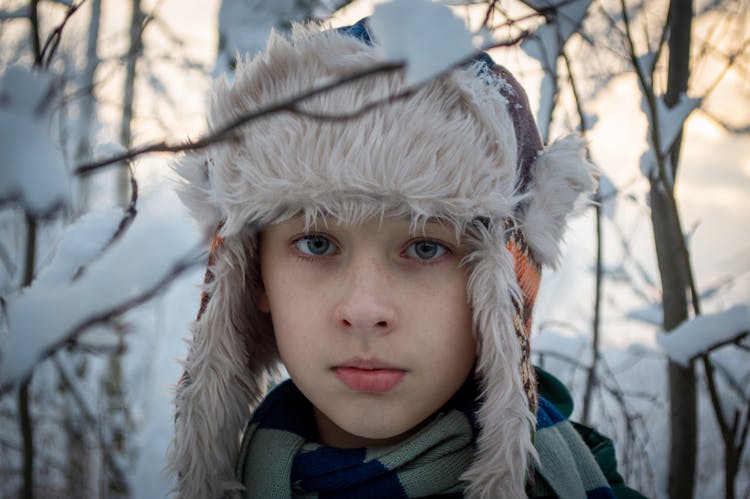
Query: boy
x=390, y=262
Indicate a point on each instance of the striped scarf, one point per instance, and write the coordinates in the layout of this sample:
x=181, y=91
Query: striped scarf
x=280, y=459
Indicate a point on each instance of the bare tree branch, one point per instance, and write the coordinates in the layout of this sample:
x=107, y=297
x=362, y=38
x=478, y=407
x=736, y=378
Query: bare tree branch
x=733, y=129
x=53, y=41
x=731, y=59
x=488, y=14
x=225, y=132
x=744, y=432
x=36, y=42
x=289, y=105
x=735, y=340
x=129, y=215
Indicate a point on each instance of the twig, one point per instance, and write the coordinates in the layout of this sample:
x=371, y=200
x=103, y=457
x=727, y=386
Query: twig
x=53, y=40
x=488, y=14
x=715, y=346
x=90, y=419
x=225, y=131
x=596, y=322
x=744, y=432
x=632, y=419
x=24, y=412
x=129, y=215
x=353, y=114
x=662, y=41
x=733, y=129
x=715, y=399
x=130, y=212
x=27, y=436
x=36, y=42
x=573, y=361
x=730, y=63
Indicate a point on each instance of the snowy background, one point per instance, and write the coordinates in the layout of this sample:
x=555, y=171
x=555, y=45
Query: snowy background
x=89, y=266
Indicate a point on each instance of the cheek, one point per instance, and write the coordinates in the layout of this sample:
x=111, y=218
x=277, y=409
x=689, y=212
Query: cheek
x=296, y=315
x=462, y=313
x=449, y=316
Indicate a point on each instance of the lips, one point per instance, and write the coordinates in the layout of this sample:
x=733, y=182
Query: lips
x=373, y=376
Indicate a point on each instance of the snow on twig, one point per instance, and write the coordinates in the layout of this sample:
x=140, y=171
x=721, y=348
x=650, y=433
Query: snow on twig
x=40, y=319
x=426, y=36
x=34, y=174
x=705, y=333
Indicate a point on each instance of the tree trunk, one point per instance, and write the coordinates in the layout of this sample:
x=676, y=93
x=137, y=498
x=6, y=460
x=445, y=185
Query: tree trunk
x=681, y=379
x=88, y=104
x=136, y=33
x=674, y=271
x=588, y=395
x=24, y=424
x=118, y=416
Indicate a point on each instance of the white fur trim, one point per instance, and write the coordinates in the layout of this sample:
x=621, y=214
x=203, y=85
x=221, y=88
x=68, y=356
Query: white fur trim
x=194, y=189
x=560, y=175
x=222, y=386
x=457, y=161
x=504, y=443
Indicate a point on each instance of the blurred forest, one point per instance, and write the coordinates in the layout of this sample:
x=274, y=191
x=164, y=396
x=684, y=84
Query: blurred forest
x=646, y=320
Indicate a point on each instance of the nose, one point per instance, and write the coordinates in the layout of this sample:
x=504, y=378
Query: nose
x=366, y=306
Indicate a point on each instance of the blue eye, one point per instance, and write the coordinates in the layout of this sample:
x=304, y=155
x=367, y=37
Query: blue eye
x=425, y=250
x=315, y=246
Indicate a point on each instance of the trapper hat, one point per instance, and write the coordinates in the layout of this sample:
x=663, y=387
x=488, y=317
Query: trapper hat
x=473, y=157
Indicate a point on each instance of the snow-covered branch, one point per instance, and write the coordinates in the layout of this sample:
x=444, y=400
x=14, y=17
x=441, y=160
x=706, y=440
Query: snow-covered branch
x=62, y=302
x=705, y=333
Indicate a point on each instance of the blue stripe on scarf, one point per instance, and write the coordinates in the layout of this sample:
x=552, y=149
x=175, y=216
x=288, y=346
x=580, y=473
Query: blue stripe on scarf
x=349, y=475
x=600, y=493
x=547, y=414
x=298, y=419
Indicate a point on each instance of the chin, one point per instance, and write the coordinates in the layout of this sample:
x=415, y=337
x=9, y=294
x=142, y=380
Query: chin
x=387, y=434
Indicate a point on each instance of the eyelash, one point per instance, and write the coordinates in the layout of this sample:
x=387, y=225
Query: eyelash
x=430, y=261
x=310, y=235
x=308, y=257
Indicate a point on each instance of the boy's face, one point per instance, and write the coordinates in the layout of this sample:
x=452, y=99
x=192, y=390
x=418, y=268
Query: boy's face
x=371, y=321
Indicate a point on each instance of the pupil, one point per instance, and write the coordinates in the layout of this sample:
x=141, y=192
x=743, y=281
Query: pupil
x=317, y=245
x=426, y=250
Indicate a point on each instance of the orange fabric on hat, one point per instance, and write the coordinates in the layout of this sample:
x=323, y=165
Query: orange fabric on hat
x=216, y=244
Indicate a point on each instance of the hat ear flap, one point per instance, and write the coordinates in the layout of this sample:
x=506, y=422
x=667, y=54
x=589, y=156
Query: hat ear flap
x=231, y=355
x=195, y=190
x=505, y=447
x=560, y=174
